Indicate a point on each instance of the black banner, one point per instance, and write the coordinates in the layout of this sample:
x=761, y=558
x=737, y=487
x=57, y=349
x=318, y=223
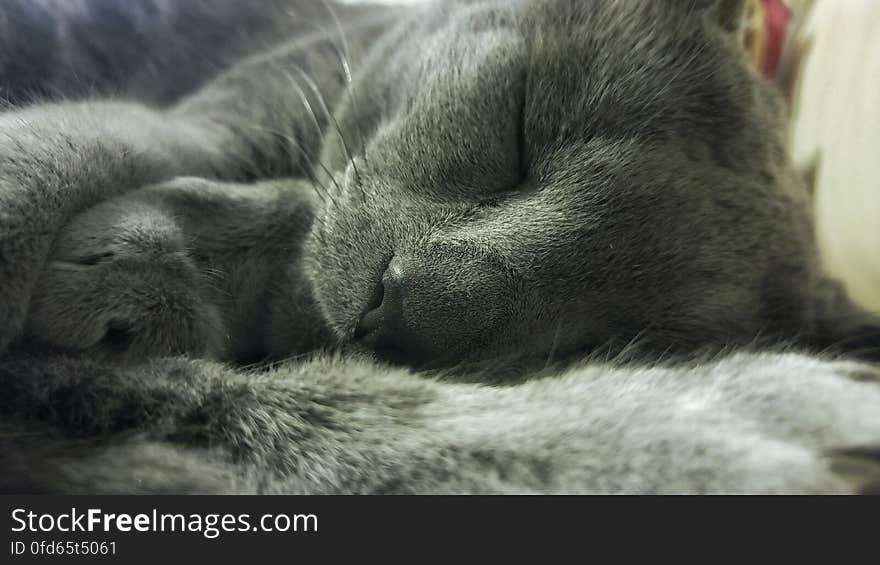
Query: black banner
x=293, y=528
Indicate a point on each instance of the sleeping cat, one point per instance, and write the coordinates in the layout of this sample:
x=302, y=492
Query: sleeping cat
x=511, y=185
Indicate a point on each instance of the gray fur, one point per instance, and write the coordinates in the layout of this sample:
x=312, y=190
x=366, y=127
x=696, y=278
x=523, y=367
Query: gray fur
x=551, y=179
x=748, y=423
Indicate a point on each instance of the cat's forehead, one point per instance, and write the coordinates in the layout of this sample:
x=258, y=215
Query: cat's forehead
x=562, y=71
x=470, y=97
x=608, y=51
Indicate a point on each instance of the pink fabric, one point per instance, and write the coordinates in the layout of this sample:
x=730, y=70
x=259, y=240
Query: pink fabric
x=777, y=19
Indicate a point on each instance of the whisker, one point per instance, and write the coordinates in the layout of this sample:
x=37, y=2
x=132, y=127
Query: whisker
x=343, y=54
x=345, y=61
x=555, y=344
x=311, y=176
x=315, y=122
x=324, y=108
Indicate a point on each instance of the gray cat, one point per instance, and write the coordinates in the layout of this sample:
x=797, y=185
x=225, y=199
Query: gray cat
x=585, y=205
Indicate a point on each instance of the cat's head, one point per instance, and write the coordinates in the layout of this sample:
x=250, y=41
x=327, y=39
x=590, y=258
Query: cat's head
x=541, y=178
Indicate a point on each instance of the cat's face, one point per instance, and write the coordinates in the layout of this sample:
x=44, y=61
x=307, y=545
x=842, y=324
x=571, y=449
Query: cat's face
x=544, y=177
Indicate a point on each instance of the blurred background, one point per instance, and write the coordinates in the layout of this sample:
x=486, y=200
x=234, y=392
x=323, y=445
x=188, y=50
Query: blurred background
x=835, y=135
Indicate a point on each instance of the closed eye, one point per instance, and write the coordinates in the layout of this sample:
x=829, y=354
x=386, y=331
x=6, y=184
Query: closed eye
x=95, y=258
x=521, y=147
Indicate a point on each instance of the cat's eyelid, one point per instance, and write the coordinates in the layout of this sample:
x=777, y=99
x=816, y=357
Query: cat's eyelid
x=83, y=262
x=68, y=266
x=521, y=146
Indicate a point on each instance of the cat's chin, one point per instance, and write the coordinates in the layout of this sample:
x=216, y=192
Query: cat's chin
x=396, y=357
x=489, y=368
x=392, y=347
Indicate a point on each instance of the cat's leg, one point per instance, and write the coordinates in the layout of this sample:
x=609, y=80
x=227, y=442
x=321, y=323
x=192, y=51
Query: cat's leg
x=37, y=460
x=248, y=240
x=57, y=160
x=744, y=424
x=191, y=266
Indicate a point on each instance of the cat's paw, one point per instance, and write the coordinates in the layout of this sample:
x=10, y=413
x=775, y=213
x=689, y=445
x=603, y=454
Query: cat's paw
x=863, y=372
x=825, y=410
x=24, y=235
x=120, y=284
x=858, y=467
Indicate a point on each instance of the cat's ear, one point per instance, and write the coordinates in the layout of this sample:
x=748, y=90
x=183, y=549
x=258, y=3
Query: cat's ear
x=729, y=15
x=843, y=327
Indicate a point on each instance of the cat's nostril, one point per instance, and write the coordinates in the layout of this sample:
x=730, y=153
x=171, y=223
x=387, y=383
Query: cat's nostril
x=377, y=297
x=383, y=323
x=394, y=326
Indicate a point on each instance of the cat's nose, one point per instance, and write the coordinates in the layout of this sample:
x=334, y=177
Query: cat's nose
x=384, y=327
